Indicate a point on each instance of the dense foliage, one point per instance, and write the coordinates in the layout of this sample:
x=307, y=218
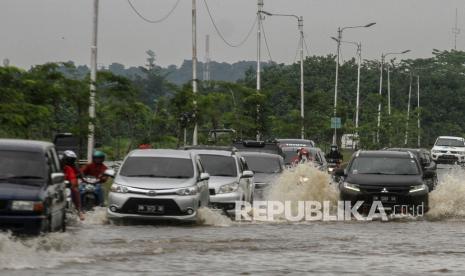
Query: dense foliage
x=147, y=108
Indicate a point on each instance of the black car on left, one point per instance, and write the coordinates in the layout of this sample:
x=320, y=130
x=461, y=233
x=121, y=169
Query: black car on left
x=32, y=188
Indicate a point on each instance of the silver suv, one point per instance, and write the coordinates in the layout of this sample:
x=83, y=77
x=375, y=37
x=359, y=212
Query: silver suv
x=159, y=184
x=230, y=178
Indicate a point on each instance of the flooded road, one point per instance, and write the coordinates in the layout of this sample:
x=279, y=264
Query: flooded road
x=433, y=245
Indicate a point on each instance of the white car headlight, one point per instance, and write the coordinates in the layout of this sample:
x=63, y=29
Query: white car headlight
x=435, y=151
x=418, y=188
x=117, y=188
x=352, y=187
x=20, y=205
x=188, y=191
x=228, y=188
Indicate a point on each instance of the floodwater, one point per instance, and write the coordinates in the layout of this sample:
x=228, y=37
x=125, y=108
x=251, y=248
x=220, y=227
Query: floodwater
x=432, y=245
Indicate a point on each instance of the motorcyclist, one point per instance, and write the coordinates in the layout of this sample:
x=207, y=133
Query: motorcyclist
x=71, y=174
x=303, y=156
x=334, y=154
x=97, y=169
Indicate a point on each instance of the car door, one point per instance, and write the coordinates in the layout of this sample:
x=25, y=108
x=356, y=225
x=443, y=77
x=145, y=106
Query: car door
x=203, y=185
x=247, y=181
x=55, y=191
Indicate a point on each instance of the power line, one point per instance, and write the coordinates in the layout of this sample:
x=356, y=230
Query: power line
x=152, y=20
x=266, y=42
x=234, y=45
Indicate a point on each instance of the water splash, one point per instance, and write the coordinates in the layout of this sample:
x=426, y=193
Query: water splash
x=304, y=183
x=44, y=251
x=210, y=217
x=448, y=200
x=98, y=216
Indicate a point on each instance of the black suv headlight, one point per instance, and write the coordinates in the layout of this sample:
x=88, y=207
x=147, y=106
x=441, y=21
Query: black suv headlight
x=351, y=187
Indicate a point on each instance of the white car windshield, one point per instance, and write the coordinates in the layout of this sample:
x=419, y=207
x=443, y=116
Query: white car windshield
x=162, y=167
x=446, y=142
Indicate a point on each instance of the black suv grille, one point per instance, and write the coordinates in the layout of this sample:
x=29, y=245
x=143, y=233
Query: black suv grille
x=170, y=207
x=390, y=190
x=3, y=204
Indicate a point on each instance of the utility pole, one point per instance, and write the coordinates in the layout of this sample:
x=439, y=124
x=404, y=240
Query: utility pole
x=206, y=71
x=93, y=79
x=357, y=107
x=302, y=113
x=408, y=110
x=389, y=88
x=259, y=48
x=383, y=57
x=380, y=94
x=339, y=38
x=194, y=69
x=418, y=110
x=456, y=29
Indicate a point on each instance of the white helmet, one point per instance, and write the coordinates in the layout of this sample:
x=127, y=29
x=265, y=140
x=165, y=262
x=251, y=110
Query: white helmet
x=69, y=154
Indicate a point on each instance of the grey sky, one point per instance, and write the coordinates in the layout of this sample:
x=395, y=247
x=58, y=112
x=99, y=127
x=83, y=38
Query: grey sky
x=37, y=31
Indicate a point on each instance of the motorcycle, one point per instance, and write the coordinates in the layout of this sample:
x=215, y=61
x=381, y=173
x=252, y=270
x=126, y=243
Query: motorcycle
x=334, y=164
x=91, y=191
x=89, y=188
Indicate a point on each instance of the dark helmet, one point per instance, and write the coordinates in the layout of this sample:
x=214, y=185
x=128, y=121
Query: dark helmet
x=69, y=157
x=334, y=147
x=98, y=156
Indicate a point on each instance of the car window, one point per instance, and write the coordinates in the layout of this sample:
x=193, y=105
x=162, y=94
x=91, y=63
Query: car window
x=446, y=142
x=219, y=165
x=22, y=165
x=157, y=167
x=244, y=164
x=264, y=164
x=54, y=167
x=384, y=165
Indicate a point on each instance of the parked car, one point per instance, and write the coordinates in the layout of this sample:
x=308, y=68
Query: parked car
x=448, y=150
x=156, y=184
x=394, y=178
x=266, y=167
x=426, y=163
x=32, y=187
x=231, y=179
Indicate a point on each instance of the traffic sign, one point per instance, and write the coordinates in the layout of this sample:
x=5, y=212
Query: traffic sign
x=336, y=122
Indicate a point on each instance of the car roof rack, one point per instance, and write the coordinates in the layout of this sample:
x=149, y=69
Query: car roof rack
x=208, y=147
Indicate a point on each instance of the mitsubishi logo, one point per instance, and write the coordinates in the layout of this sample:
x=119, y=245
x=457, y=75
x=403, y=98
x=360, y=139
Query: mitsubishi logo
x=384, y=190
x=152, y=193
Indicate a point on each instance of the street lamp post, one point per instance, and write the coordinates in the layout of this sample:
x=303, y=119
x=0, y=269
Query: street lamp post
x=359, y=65
x=339, y=40
x=259, y=49
x=418, y=110
x=408, y=109
x=194, y=68
x=383, y=58
x=93, y=79
x=300, y=23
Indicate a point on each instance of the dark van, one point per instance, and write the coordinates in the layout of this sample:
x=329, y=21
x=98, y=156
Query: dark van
x=32, y=188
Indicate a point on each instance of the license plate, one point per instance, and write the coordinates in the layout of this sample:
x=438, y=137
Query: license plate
x=385, y=198
x=151, y=209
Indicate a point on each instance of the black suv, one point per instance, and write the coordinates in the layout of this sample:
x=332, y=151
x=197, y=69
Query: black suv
x=32, y=189
x=394, y=178
x=426, y=163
